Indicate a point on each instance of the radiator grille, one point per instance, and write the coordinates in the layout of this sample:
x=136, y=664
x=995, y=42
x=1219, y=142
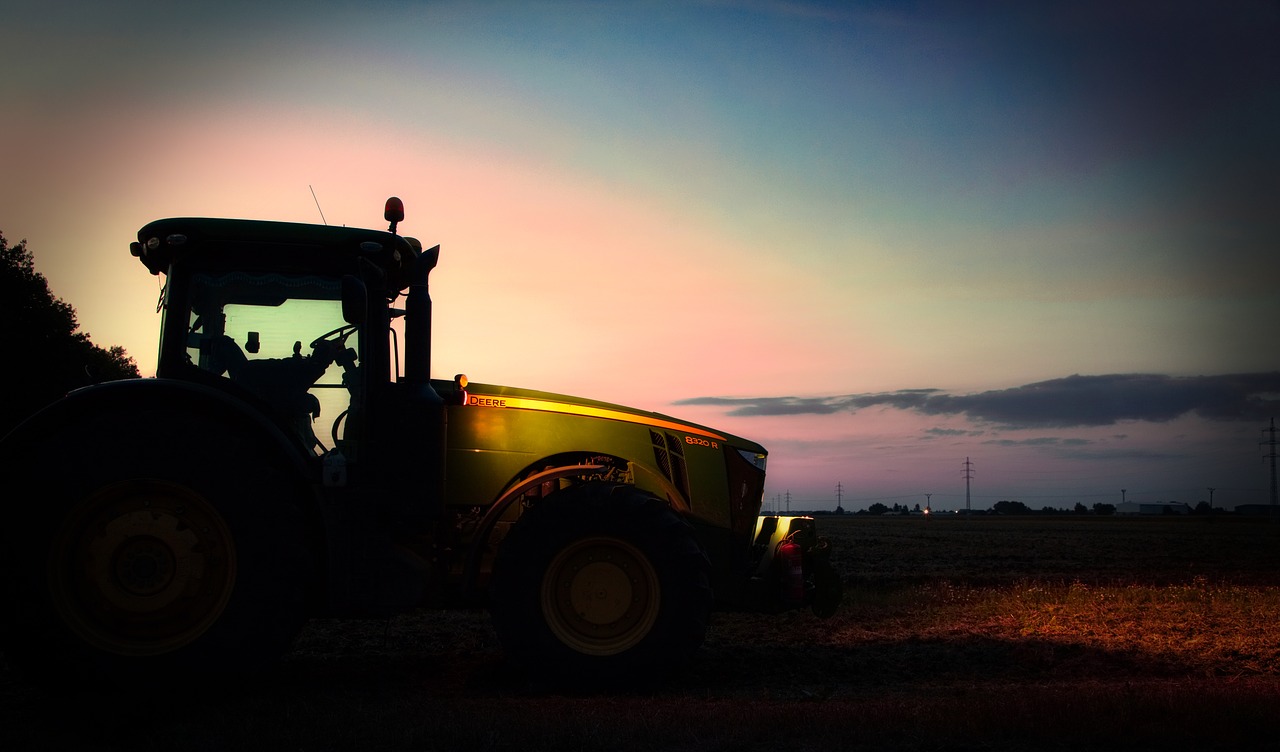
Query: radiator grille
x=668, y=452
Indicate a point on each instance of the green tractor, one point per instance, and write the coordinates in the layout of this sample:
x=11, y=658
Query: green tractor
x=294, y=458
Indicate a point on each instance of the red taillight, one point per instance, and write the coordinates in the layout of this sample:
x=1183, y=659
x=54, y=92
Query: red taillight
x=791, y=555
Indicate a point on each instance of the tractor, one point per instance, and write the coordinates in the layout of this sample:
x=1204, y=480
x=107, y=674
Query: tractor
x=293, y=458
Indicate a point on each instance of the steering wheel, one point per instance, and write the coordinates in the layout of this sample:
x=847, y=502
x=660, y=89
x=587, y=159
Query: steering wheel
x=339, y=335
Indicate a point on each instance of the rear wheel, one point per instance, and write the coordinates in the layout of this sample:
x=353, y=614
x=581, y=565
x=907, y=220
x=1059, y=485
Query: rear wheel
x=143, y=559
x=601, y=585
x=142, y=567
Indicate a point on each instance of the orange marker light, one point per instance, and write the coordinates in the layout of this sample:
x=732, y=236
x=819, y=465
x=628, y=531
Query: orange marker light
x=393, y=212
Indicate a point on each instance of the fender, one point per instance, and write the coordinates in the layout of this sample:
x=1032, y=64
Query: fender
x=513, y=492
x=499, y=507
x=128, y=394
x=674, y=497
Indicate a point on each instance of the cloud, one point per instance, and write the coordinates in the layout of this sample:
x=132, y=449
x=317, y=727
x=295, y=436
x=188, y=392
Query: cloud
x=1070, y=401
x=1040, y=441
x=932, y=432
x=772, y=405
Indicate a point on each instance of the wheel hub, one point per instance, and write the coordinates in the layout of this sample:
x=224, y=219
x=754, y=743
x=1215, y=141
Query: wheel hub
x=600, y=592
x=600, y=596
x=144, y=566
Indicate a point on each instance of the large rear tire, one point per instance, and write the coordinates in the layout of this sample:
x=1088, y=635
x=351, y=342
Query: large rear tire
x=140, y=557
x=601, y=585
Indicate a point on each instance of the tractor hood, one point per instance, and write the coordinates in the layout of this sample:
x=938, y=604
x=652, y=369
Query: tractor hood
x=515, y=398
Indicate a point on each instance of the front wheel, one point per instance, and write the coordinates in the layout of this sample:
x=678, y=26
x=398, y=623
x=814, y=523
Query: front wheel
x=601, y=585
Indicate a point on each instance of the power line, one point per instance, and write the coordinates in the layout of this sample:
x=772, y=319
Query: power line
x=1272, y=456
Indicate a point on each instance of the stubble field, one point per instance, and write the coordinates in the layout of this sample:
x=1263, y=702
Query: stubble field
x=981, y=633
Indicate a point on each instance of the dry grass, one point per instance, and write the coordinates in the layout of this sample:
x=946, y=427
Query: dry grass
x=979, y=634
x=889, y=551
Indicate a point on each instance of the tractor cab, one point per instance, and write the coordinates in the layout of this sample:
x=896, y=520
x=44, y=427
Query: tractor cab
x=295, y=321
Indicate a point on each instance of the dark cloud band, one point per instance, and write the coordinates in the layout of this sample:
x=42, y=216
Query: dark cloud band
x=1071, y=401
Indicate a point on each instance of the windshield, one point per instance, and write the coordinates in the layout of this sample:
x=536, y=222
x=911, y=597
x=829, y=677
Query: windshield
x=281, y=337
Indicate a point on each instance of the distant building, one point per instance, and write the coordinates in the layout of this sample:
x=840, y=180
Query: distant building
x=1153, y=507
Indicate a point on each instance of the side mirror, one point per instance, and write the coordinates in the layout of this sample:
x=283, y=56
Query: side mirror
x=355, y=300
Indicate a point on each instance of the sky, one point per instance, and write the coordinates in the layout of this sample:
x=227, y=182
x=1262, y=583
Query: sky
x=883, y=239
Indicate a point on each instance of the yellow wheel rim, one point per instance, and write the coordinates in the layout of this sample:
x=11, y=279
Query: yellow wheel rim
x=600, y=596
x=142, y=567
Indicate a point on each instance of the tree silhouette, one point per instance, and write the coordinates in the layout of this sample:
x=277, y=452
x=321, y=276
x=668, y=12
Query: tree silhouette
x=47, y=356
x=1010, y=507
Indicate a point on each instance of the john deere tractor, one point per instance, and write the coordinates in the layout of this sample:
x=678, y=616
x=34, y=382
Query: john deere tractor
x=293, y=457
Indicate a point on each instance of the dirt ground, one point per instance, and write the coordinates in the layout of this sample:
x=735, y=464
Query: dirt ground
x=996, y=637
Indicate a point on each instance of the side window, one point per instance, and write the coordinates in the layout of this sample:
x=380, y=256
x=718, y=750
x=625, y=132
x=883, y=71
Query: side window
x=283, y=339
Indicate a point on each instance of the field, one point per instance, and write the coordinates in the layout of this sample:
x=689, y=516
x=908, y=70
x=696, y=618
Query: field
x=980, y=633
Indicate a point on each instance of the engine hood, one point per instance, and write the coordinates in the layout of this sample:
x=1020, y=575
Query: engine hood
x=510, y=397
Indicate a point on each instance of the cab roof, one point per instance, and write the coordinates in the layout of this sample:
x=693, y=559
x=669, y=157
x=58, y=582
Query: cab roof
x=275, y=246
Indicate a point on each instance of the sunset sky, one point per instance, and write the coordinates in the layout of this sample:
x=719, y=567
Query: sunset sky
x=879, y=238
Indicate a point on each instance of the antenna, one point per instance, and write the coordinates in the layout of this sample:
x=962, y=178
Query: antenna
x=313, y=198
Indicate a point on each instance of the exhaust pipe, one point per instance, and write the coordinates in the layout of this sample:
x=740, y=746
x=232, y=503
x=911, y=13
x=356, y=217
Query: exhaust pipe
x=417, y=319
